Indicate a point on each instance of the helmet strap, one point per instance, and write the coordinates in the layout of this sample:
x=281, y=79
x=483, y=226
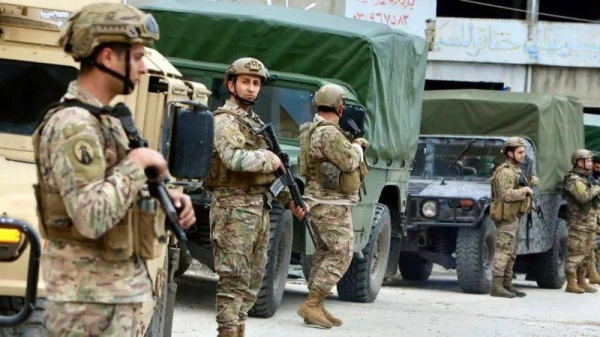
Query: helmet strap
x=128, y=84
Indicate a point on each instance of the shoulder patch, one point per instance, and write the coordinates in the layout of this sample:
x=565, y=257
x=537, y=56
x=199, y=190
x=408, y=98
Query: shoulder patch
x=235, y=137
x=84, y=155
x=83, y=151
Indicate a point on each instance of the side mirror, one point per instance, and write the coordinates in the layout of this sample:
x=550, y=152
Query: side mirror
x=188, y=133
x=15, y=236
x=353, y=120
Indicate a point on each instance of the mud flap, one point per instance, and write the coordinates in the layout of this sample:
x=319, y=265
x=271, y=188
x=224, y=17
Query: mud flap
x=171, y=289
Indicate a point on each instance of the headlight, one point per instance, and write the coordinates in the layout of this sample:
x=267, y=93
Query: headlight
x=429, y=209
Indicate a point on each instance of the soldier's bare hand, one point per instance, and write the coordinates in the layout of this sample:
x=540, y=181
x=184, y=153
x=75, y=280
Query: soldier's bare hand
x=297, y=210
x=277, y=163
x=148, y=158
x=361, y=142
x=528, y=190
x=182, y=201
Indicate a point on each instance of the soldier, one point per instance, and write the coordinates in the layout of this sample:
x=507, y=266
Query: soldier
x=89, y=181
x=592, y=273
x=509, y=202
x=241, y=172
x=330, y=164
x=582, y=220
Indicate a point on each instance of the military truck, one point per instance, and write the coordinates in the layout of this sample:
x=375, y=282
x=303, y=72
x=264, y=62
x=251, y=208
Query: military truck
x=34, y=72
x=383, y=72
x=462, y=132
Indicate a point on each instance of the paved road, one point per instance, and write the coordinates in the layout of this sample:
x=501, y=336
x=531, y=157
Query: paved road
x=433, y=308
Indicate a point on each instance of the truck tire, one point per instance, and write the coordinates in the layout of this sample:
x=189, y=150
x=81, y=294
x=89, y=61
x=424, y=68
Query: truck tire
x=276, y=271
x=32, y=327
x=414, y=268
x=475, y=248
x=551, y=264
x=362, y=281
x=156, y=328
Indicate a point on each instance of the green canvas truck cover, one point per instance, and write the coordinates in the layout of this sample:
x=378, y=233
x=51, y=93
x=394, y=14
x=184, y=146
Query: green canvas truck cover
x=553, y=123
x=385, y=67
x=592, y=132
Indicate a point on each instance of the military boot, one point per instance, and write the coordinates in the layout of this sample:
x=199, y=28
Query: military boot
x=582, y=281
x=593, y=275
x=228, y=331
x=572, y=286
x=498, y=289
x=508, y=286
x=311, y=311
x=334, y=320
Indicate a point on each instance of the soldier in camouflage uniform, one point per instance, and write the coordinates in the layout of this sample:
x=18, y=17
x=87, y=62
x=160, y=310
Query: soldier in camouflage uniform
x=331, y=166
x=509, y=203
x=582, y=220
x=593, y=275
x=89, y=182
x=241, y=172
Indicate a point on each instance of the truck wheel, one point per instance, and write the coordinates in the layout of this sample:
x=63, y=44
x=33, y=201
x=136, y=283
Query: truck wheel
x=276, y=272
x=306, y=261
x=32, y=327
x=156, y=328
x=363, y=279
x=414, y=268
x=551, y=264
x=475, y=248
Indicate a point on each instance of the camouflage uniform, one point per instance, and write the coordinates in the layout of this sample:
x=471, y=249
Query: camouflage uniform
x=83, y=159
x=582, y=219
x=242, y=169
x=506, y=190
x=330, y=208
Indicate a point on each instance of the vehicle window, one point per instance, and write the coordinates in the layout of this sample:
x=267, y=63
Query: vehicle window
x=26, y=88
x=436, y=157
x=285, y=108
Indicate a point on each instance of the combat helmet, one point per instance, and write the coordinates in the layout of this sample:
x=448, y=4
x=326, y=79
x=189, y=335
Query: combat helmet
x=245, y=66
x=580, y=154
x=102, y=23
x=512, y=142
x=330, y=95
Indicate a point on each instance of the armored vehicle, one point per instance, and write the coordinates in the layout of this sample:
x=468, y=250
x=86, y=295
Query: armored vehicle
x=383, y=72
x=462, y=132
x=34, y=72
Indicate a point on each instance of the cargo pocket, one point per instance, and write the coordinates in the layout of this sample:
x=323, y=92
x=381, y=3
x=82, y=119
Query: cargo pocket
x=149, y=229
x=117, y=243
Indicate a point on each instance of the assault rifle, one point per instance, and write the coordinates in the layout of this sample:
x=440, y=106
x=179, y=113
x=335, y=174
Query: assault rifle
x=157, y=189
x=534, y=206
x=285, y=179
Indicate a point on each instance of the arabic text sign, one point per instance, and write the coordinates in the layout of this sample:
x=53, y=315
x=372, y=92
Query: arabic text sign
x=408, y=15
x=506, y=41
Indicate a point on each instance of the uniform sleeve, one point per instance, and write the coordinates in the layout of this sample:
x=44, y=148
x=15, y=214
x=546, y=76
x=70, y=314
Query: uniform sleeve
x=229, y=143
x=95, y=198
x=338, y=150
x=580, y=191
x=506, y=183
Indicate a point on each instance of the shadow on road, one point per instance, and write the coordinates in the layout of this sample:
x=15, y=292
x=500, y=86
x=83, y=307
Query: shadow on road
x=196, y=292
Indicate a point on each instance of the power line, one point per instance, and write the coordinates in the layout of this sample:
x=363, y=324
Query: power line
x=526, y=11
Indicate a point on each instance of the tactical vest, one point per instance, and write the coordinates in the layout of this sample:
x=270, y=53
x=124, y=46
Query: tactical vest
x=139, y=233
x=251, y=182
x=326, y=173
x=572, y=202
x=501, y=210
